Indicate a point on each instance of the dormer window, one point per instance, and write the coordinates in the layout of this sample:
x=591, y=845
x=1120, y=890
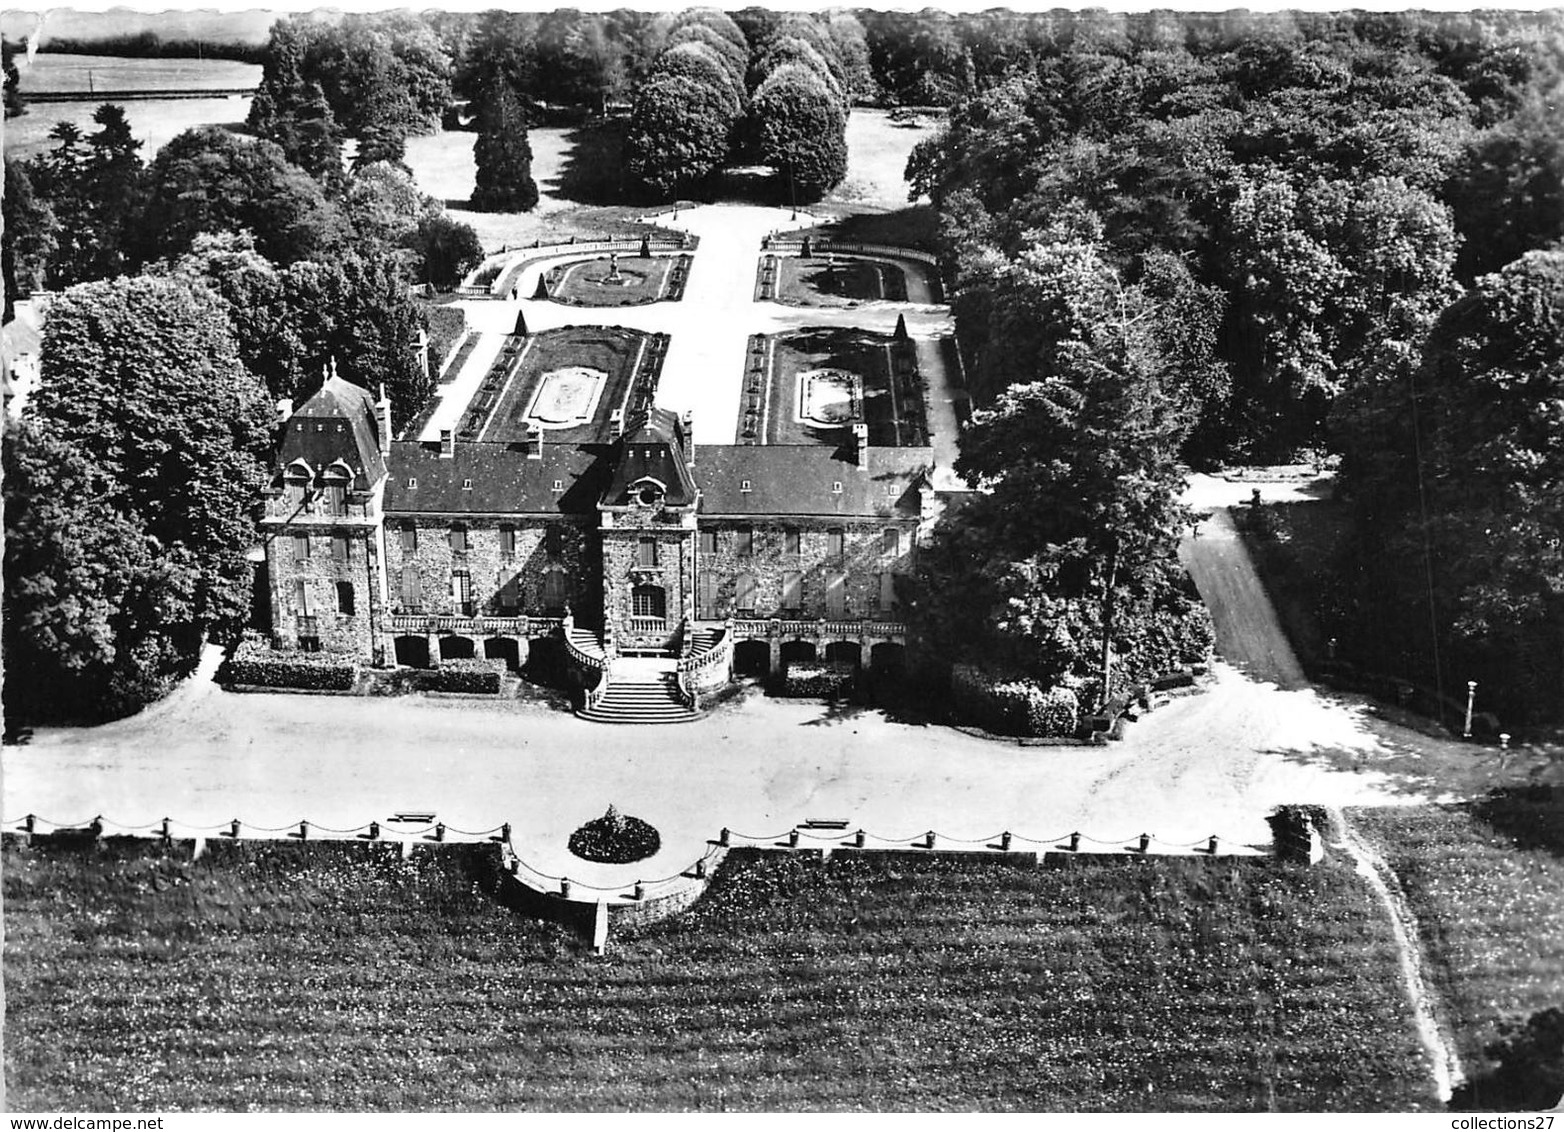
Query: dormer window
x=467, y=485
x=744, y=485
x=836, y=487
x=647, y=492
x=559, y=485
x=412, y=483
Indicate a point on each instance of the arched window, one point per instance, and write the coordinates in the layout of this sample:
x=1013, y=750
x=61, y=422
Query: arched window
x=649, y=601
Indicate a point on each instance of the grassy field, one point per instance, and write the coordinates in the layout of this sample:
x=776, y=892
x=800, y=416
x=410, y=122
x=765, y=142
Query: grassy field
x=1484, y=880
x=293, y=976
x=51, y=73
x=821, y=282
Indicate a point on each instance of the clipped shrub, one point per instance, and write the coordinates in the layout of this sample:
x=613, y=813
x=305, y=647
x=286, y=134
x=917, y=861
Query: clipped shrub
x=615, y=839
x=817, y=679
x=1012, y=705
x=256, y=662
x=482, y=676
x=446, y=325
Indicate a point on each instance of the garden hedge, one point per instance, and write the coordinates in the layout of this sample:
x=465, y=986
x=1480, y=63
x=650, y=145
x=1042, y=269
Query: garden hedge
x=480, y=676
x=256, y=662
x=1010, y=705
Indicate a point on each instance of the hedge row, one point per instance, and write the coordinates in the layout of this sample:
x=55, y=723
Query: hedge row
x=481, y=676
x=815, y=679
x=256, y=662
x=1012, y=706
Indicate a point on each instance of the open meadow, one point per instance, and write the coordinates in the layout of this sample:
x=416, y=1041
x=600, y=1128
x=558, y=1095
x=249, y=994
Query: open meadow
x=1483, y=879
x=289, y=976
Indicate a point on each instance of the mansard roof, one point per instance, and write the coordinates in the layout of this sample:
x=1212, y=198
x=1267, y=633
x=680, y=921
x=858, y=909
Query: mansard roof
x=493, y=479
x=337, y=423
x=810, y=480
x=652, y=448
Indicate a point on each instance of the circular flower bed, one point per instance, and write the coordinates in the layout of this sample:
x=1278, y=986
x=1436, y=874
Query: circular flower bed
x=615, y=839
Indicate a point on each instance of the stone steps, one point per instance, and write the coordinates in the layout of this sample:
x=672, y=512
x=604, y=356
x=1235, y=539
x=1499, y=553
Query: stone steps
x=641, y=699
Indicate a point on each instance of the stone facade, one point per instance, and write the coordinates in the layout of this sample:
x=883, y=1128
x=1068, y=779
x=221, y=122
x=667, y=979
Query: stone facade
x=486, y=566
x=803, y=567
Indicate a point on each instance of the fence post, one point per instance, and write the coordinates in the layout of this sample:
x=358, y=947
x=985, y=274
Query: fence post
x=700, y=869
x=929, y=840
x=304, y=831
x=233, y=829
x=439, y=831
x=1004, y=841
x=564, y=887
x=723, y=840
x=1075, y=842
x=30, y=823
x=505, y=833
x=792, y=839
x=165, y=834
x=859, y=838
x=97, y=826
x=515, y=865
x=1211, y=848
x=1145, y=842
x=640, y=891
x=374, y=831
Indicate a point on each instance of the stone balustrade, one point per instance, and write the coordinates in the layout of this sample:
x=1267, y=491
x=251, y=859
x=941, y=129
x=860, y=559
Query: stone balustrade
x=749, y=629
x=474, y=626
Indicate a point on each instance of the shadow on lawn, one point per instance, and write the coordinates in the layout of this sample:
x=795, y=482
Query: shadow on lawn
x=593, y=171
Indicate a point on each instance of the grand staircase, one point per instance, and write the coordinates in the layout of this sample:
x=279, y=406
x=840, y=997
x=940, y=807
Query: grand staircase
x=640, y=689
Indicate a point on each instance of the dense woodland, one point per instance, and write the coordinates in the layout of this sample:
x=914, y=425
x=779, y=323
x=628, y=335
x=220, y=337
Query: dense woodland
x=1170, y=239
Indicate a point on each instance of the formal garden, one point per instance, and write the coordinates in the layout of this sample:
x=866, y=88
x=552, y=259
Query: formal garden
x=616, y=281
x=811, y=386
x=838, y=280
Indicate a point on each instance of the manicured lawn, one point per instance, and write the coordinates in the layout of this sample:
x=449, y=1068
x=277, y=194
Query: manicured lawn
x=299, y=977
x=838, y=281
x=1484, y=879
x=590, y=283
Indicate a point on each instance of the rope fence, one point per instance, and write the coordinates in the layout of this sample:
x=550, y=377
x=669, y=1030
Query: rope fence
x=698, y=871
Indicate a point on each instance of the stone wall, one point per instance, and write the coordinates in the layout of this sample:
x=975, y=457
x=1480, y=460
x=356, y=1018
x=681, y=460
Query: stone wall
x=488, y=568
x=346, y=553
x=862, y=561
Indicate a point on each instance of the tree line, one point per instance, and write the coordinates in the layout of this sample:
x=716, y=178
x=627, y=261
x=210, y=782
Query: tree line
x=1248, y=239
x=195, y=292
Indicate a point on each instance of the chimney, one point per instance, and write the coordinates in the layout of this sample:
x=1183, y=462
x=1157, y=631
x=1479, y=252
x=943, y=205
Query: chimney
x=383, y=419
x=861, y=444
x=447, y=444
x=535, y=451
x=689, y=438
x=284, y=409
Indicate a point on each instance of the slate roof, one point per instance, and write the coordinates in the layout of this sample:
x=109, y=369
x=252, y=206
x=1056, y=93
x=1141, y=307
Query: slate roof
x=337, y=423
x=504, y=480
x=800, y=479
x=653, y=446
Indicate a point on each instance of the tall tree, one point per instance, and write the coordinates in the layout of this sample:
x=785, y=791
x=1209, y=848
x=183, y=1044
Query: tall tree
x=28, y=240
x=1067, y=558
x=129, y=490
x=802, y=131
x=210, y=180
x=678, y=135
x=114, y=191
x=503, y=155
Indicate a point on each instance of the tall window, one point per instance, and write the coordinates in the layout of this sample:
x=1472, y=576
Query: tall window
x=790, y=542
x=648, y=552
x=412, y=590
x=339, y=548
x=706, y=592
x=836, y=596
x=744, y=594
x=888, y=602
x=301, y=598
x=745, y=541
x=890, y=542
x=345, y=599
x=792, y=591
x=458, y=537
x=461, y=592
x=334, y=498
x=553, y=540
x=835, y=539
x=410, y=539
x=555, y=591
x=301, y=549
x=649, y=601
x=509, y=595
x=708, y=542
x=508, y=541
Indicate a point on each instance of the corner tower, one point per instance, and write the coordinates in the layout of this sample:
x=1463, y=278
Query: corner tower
x=647, y=520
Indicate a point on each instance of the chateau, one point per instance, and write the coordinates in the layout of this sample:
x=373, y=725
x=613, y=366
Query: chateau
x=550, y=512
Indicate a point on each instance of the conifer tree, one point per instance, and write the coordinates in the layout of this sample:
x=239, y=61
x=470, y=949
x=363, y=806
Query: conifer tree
x=504, y=155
